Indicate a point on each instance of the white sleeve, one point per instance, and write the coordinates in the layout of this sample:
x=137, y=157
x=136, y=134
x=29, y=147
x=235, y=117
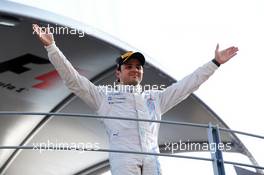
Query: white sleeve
x=77, y=83
x=180, y=90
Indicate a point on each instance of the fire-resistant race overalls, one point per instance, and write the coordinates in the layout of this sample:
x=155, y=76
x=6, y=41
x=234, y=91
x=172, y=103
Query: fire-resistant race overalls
x=127, y=102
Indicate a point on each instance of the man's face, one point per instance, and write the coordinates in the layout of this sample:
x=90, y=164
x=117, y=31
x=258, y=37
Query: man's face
x=131, y=73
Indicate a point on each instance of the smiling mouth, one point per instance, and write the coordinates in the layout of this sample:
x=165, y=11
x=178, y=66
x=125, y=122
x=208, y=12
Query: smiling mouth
x=134, y=76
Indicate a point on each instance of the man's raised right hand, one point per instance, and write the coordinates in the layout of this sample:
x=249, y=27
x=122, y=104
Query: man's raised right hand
x=44, y=34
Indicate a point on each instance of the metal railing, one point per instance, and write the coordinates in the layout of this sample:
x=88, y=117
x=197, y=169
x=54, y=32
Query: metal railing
x=213, y=137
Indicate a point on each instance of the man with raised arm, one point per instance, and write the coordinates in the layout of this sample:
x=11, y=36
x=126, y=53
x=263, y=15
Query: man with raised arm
x=128, y=101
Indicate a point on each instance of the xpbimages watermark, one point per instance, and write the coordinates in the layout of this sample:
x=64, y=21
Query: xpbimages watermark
x=59, y=30
x=60, y=146
x=117, y=88
x=191, y=146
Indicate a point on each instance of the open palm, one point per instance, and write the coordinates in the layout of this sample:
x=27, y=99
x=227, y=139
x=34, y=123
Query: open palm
x=225, y=55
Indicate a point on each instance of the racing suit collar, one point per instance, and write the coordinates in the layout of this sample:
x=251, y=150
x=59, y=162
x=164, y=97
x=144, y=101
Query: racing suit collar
x=129, y=88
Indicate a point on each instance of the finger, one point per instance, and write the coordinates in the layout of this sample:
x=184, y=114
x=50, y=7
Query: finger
x=217, y=47
x=235, y=48
x=38, y=30
x=234, y=54
x=229, y=51
x=48, y=30
x=232, y=50
x=34, y=26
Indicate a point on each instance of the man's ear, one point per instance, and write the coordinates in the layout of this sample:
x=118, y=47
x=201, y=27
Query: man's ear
x=117, y=74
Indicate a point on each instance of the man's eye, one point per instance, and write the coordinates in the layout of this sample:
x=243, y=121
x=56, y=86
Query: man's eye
x=129, y=67
x=139, y=67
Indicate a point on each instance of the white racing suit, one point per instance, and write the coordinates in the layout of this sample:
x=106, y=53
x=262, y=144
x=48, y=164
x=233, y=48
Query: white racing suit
x=124, y=134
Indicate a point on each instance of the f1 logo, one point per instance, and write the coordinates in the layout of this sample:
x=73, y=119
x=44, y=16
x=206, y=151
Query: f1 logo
x=17, y=66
